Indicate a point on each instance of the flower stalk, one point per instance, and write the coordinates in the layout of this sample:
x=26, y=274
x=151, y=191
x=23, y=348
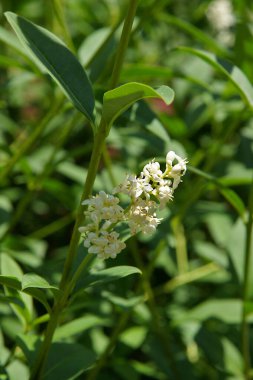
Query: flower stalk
x=99, y=142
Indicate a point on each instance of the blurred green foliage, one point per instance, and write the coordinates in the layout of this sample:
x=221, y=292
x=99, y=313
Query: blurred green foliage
x=182, y=318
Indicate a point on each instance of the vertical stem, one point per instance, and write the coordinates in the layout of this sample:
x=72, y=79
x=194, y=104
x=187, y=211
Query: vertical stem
x=123, y=43
x=181, y=250
x=99, y=141
x=59, y=11
x=246, y=288
x=90, y=179
x=108, y=164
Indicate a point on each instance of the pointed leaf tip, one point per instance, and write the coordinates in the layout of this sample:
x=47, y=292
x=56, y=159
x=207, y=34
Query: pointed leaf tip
x=58, y=61
x=119, y=99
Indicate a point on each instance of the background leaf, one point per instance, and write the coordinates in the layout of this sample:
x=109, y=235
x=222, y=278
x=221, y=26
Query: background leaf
x=60, y=63
x=232, y=72
x=66, y=360
x=10, y=281
x=9, y=268
x=109, y=274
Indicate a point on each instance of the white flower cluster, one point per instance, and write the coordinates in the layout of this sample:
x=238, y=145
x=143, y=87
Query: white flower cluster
x=221, y=17
x=149, y=192
x=99, y=237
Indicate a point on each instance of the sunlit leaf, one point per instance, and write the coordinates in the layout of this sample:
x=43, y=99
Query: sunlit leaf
x=118, y=100
x=32, y=280
x=59, y=62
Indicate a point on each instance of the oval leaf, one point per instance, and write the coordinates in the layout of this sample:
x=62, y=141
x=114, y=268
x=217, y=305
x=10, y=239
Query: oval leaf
x=78, y=326
x=110, y=274
x=232, y=72
x=32, y=280
x=59, y=62
x=118, y=100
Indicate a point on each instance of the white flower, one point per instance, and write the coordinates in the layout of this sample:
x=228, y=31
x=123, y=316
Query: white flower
x=164, y=193
x=152, y=171
x=170, y=157
x=221, y=17
x=105, y=244
x=220, y=14
x=178, y=169
x=104, y=206
x=134, y=187
x=142, y=216
x=104, y=211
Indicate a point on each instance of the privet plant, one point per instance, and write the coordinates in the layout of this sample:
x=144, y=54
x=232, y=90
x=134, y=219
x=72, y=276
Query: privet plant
x=110, y=268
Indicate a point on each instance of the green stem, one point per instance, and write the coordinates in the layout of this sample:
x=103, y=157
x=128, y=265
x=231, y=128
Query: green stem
x=39, y=364
x=108, y=164
x=99, y=141
x=181, y=249
x=120, y=55
x=64, y=285
x=60, y=15
x=247, y=288
x=79, y=271
x=90, y=179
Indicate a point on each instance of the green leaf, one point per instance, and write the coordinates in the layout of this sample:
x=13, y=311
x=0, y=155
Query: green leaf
x=68, y=361
x=59, y=62
x=32, y=283
x=10, y=268
x=118, y=100
x=39, y=296
x=8, y=300
x=65, y=360
x=79, y=325
x=232, y=72
x=32, y=280
x=123, y=303
x=228, y=194
x=110, y=274
x=29, y=344
x=134, y=71
x=234, y=200
x=134, y=336
x=96, y=51
x=10, y=282
x=226, y=310
x=9, y=39
x=195, y=32
x=233, y=360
